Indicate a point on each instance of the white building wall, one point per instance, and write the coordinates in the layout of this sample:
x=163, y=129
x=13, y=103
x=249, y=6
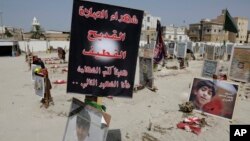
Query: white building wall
x=173, y=33
x=149, y=21
x=37, y=46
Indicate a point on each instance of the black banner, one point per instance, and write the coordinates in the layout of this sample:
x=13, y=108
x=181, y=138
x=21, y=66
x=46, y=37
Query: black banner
x=103, y=49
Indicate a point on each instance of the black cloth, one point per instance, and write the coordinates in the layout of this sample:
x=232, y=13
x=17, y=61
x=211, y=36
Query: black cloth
x=40, y=63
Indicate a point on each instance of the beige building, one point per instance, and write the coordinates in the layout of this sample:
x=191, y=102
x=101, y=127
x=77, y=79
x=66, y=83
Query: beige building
x=241, y=37
x=248, y=36
x=207, y=30
x=212, y=30
x=194, y=32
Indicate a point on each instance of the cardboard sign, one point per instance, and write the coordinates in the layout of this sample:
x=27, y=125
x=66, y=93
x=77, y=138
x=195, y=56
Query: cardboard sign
x=146, y=71
x=39, y=85
x=146, y=52
x=103, y=49
x=214, y=97
x=209, y=68
x=240, y=64
x=86, y=123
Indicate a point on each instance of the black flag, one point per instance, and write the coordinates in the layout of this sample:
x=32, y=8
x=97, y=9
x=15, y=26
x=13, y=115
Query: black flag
x=159, y=50
x=229, y=24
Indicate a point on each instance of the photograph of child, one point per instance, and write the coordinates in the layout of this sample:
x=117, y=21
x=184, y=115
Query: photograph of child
x=214, y=97
x=85, y=123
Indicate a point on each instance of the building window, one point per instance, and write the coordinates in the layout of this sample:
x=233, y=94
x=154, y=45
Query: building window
x=147, y=27
x=148, y=19
x=169, y=37
x=215, y=30
x=208, y=30
x=219, y=30
x=180, y=37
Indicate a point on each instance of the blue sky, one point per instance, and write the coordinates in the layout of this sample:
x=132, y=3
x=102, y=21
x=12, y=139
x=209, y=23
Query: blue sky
x=56, y=14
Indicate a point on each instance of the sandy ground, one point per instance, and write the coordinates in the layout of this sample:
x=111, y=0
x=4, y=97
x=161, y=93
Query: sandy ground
x=22, y=119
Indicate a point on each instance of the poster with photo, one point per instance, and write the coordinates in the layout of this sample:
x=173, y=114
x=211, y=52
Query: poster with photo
x=33, y=68
x=214, y=97
x=103, y=49
x=171, y=48
x=85, y=123
x=239, y=69
x=181, y=48
x=146, y=71
x=39, y=85
x=210, y=52
x=209, y=68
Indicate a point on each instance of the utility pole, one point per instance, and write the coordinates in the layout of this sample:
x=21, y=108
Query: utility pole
x=1, y=19
x=201, y=28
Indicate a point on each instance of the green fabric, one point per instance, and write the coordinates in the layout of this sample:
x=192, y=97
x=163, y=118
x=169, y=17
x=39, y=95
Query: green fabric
x=229, y=24
x=95, y=105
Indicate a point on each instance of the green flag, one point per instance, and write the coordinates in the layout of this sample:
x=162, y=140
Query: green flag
x=229, y=24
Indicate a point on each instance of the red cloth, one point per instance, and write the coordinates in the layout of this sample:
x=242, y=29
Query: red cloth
x=191, y=124
x=187, y=126
x=59, y=82
x=65, y=70
x=215, y=106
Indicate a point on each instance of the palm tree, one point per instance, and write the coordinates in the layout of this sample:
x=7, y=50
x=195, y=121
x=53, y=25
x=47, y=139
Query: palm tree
x=37, y=33
x=7, y=33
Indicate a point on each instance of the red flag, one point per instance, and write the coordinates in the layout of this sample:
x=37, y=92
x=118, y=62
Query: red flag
x=159, y=50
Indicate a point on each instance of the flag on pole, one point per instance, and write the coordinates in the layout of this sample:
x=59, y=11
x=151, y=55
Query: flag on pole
x=159, y=50
x=229, y=24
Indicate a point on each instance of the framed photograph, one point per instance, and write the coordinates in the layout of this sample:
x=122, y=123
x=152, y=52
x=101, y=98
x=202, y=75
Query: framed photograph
x=210, y=52
x=33, y=67
x=209, y=68
x=181, y=49
x=239, y=69
x=39, y=86
x=86, y=123
x=214, y=97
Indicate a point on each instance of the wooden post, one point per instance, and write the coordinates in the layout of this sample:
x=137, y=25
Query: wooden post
x=47, y=95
